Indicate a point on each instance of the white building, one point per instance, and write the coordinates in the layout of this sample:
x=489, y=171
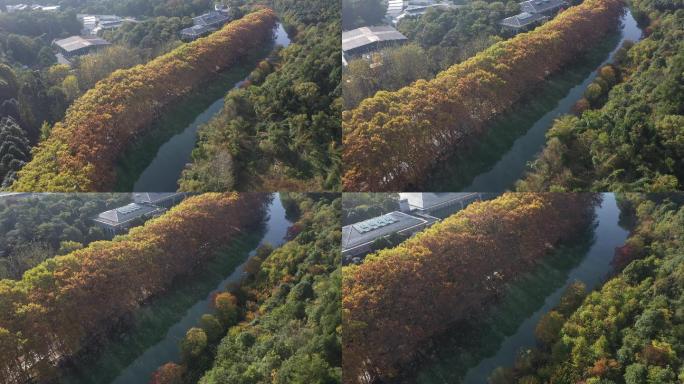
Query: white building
x=426, y=203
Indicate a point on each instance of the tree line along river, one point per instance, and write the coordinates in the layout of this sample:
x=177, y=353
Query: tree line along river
x=501, y=156
x=156, y=162
x=133, y=356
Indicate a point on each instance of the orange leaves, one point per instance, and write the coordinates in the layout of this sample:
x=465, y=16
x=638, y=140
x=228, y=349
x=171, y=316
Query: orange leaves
x=399, y=297
x=431, y=118
x=107, y=118
x=68, y=298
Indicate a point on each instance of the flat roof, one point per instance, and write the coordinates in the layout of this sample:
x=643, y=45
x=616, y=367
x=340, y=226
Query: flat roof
x=154, y=197
x=124, y=214
x=429, y=200
x=359, y=37
x=75, y=43
x=356, y=234
x=539, y=6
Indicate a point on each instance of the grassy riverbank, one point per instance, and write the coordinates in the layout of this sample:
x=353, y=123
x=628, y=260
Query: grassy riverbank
x=448, y=360
x=150, y=323
x=456, y=172
x=178, y=117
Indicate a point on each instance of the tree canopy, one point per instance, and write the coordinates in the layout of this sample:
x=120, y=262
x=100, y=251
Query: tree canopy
x=81, y=151
x=393, y=139
x=400, y=297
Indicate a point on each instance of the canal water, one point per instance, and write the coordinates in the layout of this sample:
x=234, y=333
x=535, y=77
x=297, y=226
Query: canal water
x=162, y=172
x=592, y=268
x=499, y=164
x=139, y=370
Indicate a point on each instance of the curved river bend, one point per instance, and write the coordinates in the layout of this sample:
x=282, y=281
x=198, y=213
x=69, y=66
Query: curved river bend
x=163, y=172
x=512, y=164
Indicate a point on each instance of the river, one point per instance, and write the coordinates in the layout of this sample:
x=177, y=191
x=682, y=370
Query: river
x=163, y=171
x=499, y=168
x=592, y=268
x=140, y=370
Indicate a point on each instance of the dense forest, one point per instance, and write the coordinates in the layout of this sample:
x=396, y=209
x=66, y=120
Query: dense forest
x=630, y=139
x=35, y=91
x=282, y=324
x=629, y=331
x=359, y=13
x=80, y=152
x=36, y=229
x=470, y=255
x=437, y=40
x=69, y=302
x=282, y=132
x=392, y=139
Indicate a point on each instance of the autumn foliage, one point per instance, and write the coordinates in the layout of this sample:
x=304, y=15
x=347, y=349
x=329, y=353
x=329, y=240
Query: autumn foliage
x=82, y=150
x=392, y=139
x=400, y=297
x=67, y=302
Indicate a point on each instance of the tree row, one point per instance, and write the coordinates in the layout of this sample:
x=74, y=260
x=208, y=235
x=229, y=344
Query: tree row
x=393, y=139
x=69, y=302
x=401, y=297
x=82, y=150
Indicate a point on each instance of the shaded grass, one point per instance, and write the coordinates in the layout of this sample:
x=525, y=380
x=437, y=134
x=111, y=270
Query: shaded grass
x=469, y=342
x=150, y=323
x=177, y=117
x=458, y=170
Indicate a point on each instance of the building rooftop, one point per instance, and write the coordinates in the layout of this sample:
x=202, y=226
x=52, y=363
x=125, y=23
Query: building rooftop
x=197, y=30
x=153, y=197
x=431, y=200
x=75, y=43
x=359, y=37
x=124, y=214
x=394, y=8
x=522, y=20
x=369, y=230
x=541, y=6
x=211, y=18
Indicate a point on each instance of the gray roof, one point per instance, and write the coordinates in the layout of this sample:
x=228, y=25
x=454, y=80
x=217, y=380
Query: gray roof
x=124, y=214
x=75, y=43
x=522, y=20
x=152, y=197
x=197, y=30
x=359, y=37
x=211, y=18
x=541, y=6
x=369, y=230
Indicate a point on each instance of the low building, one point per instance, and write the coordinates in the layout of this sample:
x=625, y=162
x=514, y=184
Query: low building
x=45, y=8
x=119, y=220
x=358, y=238
x=421, y=9
x=206, y=24
x=364, y=40
x=544, y=7
x=33, y=7
x=16, y=8
x=395, y=8
x=93, y=24
x=163, y=200
x=533, y=13
x=144, y=206
x=79, y=45
x=523, y=21
x=425, y=203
